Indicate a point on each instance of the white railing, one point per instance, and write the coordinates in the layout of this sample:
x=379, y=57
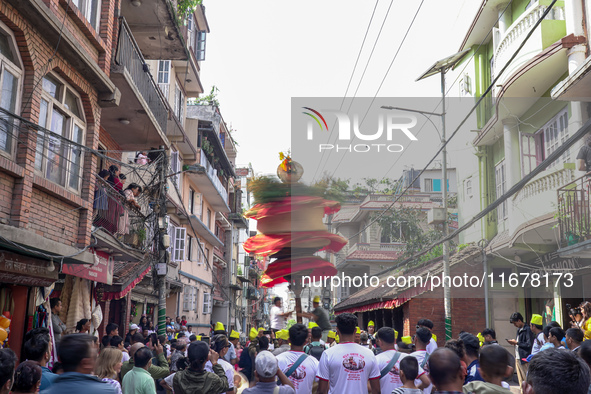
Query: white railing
x=375, y=246
x=550, y=182
x=213, y=175
x=390, y=198
x=522, y=26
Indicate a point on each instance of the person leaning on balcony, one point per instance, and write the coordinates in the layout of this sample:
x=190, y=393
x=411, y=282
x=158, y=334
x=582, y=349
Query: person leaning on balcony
x=115, y=208
x=101, y=201
x=584, y=155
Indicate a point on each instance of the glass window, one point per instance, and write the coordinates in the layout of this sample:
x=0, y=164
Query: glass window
x=58, y=156
x=90, y=9
x=71, y=103
x=10, y=80
x=200, y=46
x=5, y=49
x=51, y=86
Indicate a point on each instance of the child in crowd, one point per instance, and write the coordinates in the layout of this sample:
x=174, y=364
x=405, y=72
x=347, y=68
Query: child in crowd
x=409, y=370
x=494, y=367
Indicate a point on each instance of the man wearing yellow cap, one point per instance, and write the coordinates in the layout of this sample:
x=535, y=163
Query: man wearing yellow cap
x=371, y=329
x=320, y=316
x=537, y=328
x=331, y=339
x=357, y=335
x=283, y=342
x=231, y=356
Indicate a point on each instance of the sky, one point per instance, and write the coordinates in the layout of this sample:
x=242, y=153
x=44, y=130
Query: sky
x=260, y=54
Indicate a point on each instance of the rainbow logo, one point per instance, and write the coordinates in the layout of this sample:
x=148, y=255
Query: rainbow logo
x=315, y=118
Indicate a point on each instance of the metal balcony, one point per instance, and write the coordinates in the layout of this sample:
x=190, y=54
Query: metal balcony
x=140, y=121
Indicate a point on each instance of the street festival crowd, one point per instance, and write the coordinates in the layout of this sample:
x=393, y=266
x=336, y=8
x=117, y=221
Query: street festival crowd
x=302, y=359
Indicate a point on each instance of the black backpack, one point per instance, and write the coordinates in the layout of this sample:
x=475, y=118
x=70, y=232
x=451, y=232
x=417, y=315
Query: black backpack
x=315, y=351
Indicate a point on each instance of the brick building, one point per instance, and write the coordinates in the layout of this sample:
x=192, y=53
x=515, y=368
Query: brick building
x=78, y=90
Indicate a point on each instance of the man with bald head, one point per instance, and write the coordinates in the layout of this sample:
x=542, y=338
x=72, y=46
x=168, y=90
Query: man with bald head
x=156, y=371
x=445, y=371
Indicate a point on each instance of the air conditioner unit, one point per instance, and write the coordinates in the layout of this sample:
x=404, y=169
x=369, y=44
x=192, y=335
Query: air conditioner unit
x=436, y=216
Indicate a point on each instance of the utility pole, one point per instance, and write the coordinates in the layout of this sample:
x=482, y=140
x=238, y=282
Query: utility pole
x=163, y=241
x=446, y=270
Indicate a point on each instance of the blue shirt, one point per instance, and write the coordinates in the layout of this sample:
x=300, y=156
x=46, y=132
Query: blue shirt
x=74, y=382
x=47, y=378
x=473, y=373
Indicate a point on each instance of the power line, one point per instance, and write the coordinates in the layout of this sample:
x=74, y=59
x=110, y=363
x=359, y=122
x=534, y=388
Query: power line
x=383, y=79
x=488, y=90
x=351, y=77
x=453, y=83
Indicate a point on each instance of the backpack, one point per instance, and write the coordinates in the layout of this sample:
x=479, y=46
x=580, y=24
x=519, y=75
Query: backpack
x=315, y=350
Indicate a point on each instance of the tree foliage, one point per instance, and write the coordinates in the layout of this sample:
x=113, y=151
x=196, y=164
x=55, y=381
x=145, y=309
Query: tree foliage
x=408, y=225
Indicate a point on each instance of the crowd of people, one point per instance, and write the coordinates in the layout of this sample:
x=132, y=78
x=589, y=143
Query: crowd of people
x=548, y=360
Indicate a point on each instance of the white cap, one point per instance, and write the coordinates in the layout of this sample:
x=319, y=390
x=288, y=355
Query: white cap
x=266, y=364
x=134, y=327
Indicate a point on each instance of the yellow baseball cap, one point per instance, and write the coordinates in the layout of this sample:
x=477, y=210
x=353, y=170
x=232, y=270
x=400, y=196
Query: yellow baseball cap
x=337, y=339
x=434, y=337
x=282, y=334
x=371, y=324
x=219, y=327
x=536, y=320
x=395, y=335
x=253, y=333
x=407, y=340
x=312, y=324
x=358, y=331
x=332, y=334
x=234, y=335
x=198, y=337
x=316, y=299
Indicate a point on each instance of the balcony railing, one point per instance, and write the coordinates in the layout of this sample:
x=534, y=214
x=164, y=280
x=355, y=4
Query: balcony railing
x=129, y=55
x=574, y=216
x=213, y=174
x=519, y=29
x=120, y=218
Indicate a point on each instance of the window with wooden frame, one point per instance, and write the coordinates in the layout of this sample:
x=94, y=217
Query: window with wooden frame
x=164, y=77
x=58, y=156
x=10, y=82
x=536, y=147
x=91, y=10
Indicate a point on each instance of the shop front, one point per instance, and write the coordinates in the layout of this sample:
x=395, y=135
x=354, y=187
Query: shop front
x=25, y=283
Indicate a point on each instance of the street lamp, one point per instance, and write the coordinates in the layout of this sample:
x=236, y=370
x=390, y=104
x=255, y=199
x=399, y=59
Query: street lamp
x=441, y=67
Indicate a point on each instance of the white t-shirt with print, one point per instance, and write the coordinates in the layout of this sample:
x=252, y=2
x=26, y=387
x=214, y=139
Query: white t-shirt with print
x=391, y=380
x=304, y=375
x=228, y=369
x=420, y=356
x=348, y=367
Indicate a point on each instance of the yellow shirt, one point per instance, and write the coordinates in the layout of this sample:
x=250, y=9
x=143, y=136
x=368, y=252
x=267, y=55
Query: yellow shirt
x=587, y=329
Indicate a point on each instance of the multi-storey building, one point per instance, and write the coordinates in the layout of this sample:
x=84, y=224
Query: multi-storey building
x=518, y=127
x=84, y=82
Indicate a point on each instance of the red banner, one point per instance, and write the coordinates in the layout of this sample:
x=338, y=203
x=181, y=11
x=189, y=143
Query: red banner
x=101, y=271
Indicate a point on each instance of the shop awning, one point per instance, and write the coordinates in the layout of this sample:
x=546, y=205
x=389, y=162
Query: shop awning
x=130, y=279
